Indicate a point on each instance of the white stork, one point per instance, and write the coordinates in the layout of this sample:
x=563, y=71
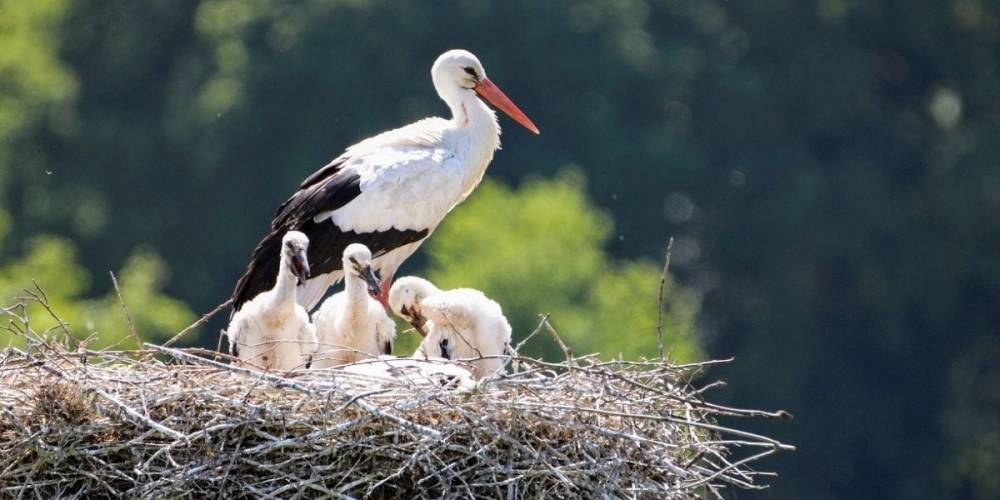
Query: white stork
x=272, y=331
x=351, y=325
x=390, y=191
x=461, y=325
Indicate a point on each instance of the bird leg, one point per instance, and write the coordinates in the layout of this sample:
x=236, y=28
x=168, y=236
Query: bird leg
x=383, y=292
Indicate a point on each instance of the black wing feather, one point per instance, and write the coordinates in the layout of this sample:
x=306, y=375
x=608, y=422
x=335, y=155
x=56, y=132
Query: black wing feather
x=329, y=188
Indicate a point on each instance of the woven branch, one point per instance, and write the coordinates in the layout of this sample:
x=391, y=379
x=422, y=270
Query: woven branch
x=174, y=422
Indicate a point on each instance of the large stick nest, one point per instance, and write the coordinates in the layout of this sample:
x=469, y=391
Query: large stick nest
x=178, y=422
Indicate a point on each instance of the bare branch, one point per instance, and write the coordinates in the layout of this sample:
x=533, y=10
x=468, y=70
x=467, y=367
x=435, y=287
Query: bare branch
x=198, y=323
x=128, y=317
x=659, y=302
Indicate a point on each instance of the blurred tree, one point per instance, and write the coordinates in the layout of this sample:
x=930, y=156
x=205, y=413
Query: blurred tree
x=37, y=91
x=828, y=168
x=52, y=262
x=540, y=249
x=971, y=422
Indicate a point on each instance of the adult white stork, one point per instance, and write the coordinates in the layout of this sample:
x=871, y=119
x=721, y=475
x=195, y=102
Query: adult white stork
x=389, y=192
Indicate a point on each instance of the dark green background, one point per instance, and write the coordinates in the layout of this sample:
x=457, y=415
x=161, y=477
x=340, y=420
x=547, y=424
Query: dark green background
x=830, y=169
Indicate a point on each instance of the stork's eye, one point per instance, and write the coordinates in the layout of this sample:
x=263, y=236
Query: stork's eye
x=471, y=72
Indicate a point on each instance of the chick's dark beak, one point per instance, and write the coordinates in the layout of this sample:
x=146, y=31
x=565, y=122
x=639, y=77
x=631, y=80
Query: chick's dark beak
x=419, y=322
x=373, y=282
x=300, y=264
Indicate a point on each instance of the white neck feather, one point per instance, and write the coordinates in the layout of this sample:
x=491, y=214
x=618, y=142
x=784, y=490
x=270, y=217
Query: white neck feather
x=356, y=290
x=352, y=319
x=474, y=136
x=284, y=287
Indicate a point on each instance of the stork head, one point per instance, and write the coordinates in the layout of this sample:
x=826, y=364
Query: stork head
x=458, y=72
x=405, y=296
x=293, y=250
x=358, y=263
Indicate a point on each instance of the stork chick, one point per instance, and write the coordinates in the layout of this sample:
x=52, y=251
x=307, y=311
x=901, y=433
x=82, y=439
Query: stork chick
x=351, y=325
x=272, y=331
x=459, y=325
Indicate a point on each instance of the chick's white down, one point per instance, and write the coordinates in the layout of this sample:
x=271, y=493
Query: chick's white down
x=461, y=325
x=414, y=371
x=351, y=325
x=271, y=331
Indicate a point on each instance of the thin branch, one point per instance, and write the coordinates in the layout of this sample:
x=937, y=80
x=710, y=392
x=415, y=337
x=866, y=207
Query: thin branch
x=543, y=319
x=140, y=417
x=128, y=317
x=198, y=323
x=659, y=303
x=555, y=335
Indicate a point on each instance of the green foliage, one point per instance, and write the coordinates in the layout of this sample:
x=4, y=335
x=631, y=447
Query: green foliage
x=34, y=85
x=829, y=168
x=53, y=264
x=540, y=249
x=31, y=75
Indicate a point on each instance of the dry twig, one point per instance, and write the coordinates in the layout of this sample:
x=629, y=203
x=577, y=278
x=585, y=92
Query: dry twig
x=659, y=302
x=198, y=323
x=128, y=317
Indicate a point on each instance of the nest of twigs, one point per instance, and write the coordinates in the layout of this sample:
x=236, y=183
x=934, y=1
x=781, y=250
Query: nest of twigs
x=181, y=422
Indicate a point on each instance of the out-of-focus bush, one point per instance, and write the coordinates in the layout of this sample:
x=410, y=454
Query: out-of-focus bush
x=541, y=249
x=52, y=262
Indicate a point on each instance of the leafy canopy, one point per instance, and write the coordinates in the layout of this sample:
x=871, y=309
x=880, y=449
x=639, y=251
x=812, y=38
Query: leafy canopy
x=540, y=249
x=53, y=263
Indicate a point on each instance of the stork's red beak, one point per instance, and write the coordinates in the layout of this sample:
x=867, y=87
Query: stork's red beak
x=487, y=90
